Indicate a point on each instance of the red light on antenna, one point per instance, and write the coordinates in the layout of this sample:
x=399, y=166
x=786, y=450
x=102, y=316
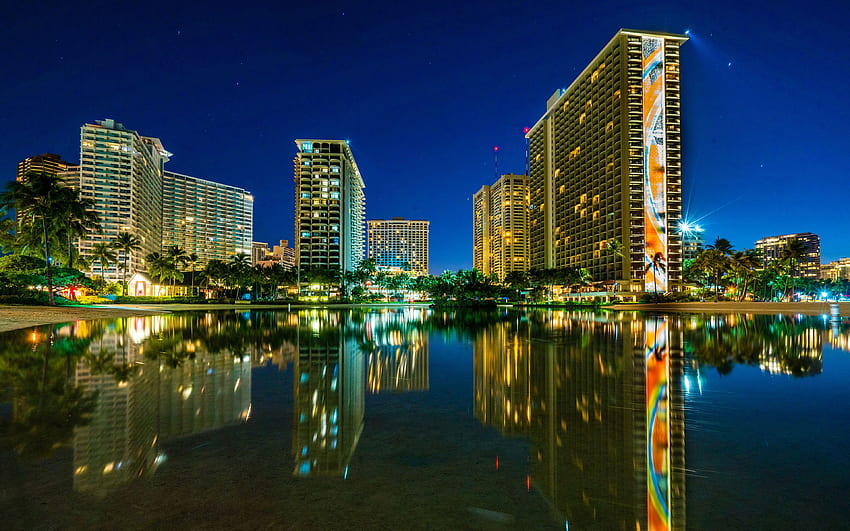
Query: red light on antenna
x=526, y=130
x=495, y=148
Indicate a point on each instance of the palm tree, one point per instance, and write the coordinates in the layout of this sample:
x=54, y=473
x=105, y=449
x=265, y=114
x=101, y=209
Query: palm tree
x=37, y=200
x=723, y=245
x=104, y=254
x=215, y=273
x=192, y=259
x=77, y=219
x=240, y=265
x=792, y=253
x=744, y=264
x=126, y=243
x=713, y=262
x=177, y=255
x=160, y=267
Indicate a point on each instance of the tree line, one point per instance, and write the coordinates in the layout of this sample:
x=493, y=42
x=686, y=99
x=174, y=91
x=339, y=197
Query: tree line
x=723, y=272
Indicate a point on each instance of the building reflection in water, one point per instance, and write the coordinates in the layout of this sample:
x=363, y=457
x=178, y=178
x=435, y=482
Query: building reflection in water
x=176, y=388
x=331, y=374
x=599, y=396
x=600, y=401
x=396, y=350
x=329, y=394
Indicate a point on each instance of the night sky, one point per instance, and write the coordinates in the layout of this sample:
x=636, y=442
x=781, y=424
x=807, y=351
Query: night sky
x=424, y=92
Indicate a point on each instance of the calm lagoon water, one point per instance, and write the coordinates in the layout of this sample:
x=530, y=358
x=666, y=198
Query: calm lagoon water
x=414, y=418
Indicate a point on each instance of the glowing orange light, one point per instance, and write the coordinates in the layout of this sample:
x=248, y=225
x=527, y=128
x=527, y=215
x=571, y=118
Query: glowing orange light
x=497, y=462
x=528, y=483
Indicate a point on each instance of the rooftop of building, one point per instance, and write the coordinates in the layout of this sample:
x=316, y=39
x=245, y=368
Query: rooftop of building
x=559, y=94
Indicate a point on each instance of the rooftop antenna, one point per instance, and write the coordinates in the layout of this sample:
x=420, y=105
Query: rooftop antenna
x=496, y=161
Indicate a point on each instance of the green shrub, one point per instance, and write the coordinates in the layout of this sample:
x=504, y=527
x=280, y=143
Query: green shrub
x=93, y=299
x=26, y=297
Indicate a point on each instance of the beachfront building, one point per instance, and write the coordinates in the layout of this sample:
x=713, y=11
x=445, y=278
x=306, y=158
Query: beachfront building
x=399, y=244
x=605, y=169
x=122, y=172
x=772, y=248
x=500, y=226
x=329, y=206
x=211, y=220
x=837, y=270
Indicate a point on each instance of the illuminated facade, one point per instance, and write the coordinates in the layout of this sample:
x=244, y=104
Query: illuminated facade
x=837, y=270
x=500, y=226
x=693, y=241
x=52, y=164
x=399, y=244
x=329, y=206
x=605, y=165
x=122, y=172
x=808, y=266
x=281, y=254
x=259, y=252
x=213, y=220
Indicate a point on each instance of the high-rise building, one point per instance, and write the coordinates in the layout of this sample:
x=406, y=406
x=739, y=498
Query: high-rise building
x=259, y=252
x=122, y=172
x=399, y=244
x=693, y=240
x=500, y=226
x=284, y=255
x=49, y=163
x=329, y=206
x=213, y=220
x=808, y=266
x=605, y=166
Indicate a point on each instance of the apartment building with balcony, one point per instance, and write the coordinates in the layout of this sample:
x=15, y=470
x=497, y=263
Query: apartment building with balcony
x=605, y=166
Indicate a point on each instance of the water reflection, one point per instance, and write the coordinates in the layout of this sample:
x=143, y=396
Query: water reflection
x=329, y=395
x=600, y=397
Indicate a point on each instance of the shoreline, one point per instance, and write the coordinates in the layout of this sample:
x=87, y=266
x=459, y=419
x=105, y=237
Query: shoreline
x=17, y=317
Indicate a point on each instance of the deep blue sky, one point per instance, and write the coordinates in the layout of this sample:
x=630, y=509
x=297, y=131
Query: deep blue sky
x=425, y=91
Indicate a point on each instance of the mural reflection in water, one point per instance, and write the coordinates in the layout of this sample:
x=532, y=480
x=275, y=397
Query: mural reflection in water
x=600, y=401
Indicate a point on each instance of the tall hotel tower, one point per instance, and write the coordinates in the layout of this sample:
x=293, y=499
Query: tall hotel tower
x=500, y=226
x=399, y=244
x=122, y=172
x=605, y=172
x=329, y=206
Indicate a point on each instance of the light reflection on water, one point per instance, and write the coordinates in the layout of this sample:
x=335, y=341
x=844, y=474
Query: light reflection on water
x=595, y=401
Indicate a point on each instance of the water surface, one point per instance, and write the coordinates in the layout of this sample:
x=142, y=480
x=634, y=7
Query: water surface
x=413, y=418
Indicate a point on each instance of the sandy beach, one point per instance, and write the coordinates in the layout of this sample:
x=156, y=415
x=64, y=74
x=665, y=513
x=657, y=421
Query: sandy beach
x=16, y=317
